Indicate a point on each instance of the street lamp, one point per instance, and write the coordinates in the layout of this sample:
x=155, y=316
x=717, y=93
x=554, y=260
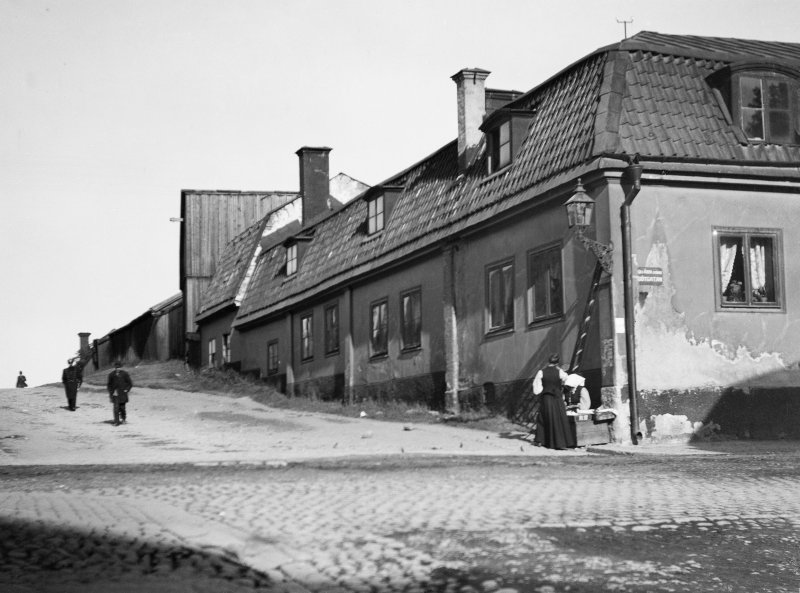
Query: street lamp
x=579, y=216
x=580, y=208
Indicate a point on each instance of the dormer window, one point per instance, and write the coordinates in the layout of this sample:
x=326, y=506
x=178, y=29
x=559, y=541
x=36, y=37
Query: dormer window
x=766, y=109
x=291, y=259
x=500, y=141
x=380, y=203
x=375, y=218
x=506, y=130
x=763, y=100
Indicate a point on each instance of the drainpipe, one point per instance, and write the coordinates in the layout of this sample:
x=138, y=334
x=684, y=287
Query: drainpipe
x=452, y=404
x=631, y=182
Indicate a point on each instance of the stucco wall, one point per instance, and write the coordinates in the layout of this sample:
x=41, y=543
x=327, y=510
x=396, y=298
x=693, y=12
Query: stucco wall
x=693, y=358
x=503, y=364
x=429, y=358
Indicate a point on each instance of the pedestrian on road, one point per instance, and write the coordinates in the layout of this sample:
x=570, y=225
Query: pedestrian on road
x=119, y=384
x=21, y=380
x=72, y=378
x=552, y=426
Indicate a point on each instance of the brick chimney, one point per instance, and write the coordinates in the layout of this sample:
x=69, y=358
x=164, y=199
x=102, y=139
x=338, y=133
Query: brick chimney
x=470, y=86
x=314, y=181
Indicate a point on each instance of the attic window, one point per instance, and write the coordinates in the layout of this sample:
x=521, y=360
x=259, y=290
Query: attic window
x=291, y=259
x=506, y=131
x=763, y=100
x=500, y=142
x=375, y=211
x=766, y=108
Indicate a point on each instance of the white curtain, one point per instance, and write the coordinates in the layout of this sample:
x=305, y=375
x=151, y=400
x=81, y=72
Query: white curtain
x=758, y=276
x=727, y=255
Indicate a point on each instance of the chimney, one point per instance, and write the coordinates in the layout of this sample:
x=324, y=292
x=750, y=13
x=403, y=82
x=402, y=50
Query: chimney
x=84, y=341
x=471, y=109
x=314, y=181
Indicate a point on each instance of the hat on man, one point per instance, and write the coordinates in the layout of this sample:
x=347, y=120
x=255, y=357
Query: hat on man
x=554, y=359
x=117, y=363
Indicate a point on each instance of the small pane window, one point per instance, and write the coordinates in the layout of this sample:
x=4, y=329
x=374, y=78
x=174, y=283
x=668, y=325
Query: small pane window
x=379, y=329
x=375, y=215
x=226, y=348
x=291, y=259
x=306, y=337
x=766, y=108
x=411, y=319
x=212, y=353
x=748, y=271
x=332, y=329
x=500, y=291
x=272, y=357
x=545, y=297
x=504, y=145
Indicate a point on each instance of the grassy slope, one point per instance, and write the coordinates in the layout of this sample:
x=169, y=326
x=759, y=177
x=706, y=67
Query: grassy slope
x=173, y=375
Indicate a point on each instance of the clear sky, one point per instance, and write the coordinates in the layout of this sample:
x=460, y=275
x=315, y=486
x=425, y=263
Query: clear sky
x=108, y=108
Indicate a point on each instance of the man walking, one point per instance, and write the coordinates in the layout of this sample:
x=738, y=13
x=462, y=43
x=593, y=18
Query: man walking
x=72, y=378
x=119, y=384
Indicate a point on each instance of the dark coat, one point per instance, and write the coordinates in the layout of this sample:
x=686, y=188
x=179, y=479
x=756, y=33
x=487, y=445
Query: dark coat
x=119, y=384
x=72, y=376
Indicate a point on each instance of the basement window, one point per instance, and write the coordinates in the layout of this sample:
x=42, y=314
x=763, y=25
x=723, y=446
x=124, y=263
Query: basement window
x=749, y=271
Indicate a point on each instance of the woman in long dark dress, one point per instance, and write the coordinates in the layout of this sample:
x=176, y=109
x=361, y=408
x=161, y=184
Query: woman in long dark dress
x=552, y=426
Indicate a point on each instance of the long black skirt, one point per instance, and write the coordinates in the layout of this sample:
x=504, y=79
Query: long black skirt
x=552, y=427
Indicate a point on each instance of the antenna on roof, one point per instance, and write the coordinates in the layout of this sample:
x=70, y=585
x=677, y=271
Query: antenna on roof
x=625, y=25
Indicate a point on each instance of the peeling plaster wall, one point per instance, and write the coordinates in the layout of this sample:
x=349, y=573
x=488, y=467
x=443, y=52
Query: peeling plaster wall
x=691, y=356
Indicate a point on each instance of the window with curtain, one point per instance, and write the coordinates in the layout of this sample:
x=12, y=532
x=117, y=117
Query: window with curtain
x=749, y=271
x=545, y=297
x=306, y=337
x=379, y=329
x=411, y=319
x=500, y=296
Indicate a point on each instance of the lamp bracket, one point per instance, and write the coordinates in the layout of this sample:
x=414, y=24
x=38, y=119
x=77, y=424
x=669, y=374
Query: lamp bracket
x=603, y=252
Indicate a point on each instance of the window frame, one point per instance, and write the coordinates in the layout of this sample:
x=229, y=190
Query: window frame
x=764, y=75
x=331, y=336
x=416, y=342
x=373, y=351
x=532, y=256
x=307, y=337
x=376, y=217
x=291, y=259
x=746, y=234
x=508, y=325
x=226, y=348
x=212, y=353
x=273, y=362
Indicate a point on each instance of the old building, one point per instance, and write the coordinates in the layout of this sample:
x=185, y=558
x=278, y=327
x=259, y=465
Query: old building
x=451, y=282
x=214, y=337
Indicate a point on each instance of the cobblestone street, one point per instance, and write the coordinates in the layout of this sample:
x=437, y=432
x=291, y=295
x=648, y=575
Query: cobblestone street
x=593, y=523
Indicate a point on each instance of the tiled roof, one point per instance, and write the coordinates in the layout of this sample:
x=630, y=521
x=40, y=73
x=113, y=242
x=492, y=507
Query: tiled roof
x=231, y=269
x=646, y=95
